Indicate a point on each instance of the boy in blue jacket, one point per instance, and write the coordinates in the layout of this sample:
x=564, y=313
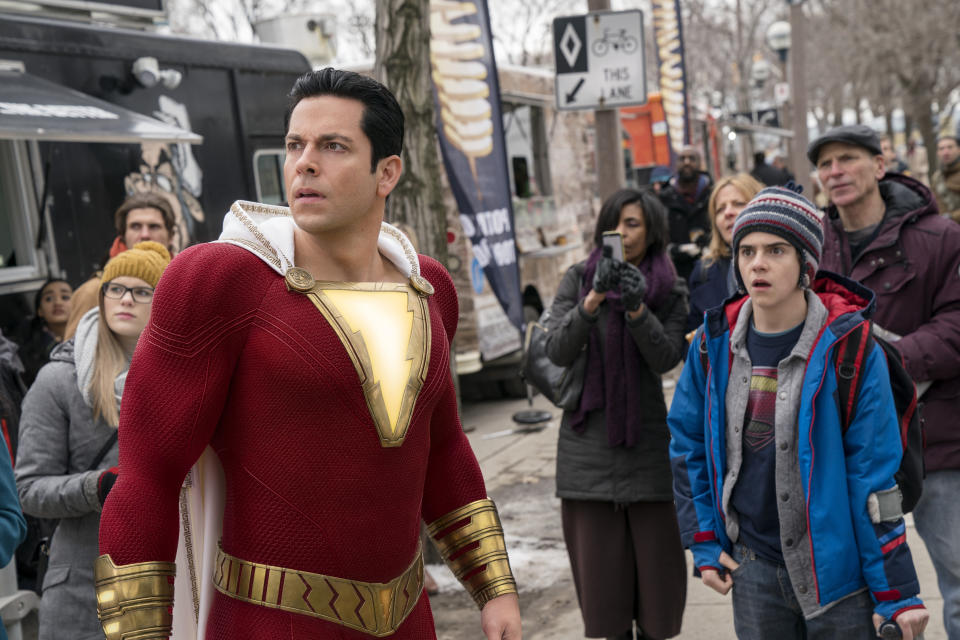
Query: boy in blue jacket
x=774, y=498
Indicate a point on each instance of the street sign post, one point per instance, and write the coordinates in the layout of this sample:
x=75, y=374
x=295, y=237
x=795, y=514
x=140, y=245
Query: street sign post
x=600, y=60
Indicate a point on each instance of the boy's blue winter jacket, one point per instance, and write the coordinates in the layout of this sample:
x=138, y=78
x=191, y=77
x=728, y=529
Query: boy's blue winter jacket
x=839, y=470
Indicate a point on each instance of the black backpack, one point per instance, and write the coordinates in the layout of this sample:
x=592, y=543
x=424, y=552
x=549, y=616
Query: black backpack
x=848, y=356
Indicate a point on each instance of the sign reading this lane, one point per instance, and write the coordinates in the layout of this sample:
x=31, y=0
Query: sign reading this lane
x=599, y=59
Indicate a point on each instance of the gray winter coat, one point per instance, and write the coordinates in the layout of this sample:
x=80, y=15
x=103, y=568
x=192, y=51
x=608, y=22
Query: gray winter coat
x=587, y=467
x=58, y=442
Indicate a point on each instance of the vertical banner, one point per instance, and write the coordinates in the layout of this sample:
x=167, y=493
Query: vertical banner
x=668, y=33
x=470, y=128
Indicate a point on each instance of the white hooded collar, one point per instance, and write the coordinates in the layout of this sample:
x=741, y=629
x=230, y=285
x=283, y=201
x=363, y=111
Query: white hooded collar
x=267, y=231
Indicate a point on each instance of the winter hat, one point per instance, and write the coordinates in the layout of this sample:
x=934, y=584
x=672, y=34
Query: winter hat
x=146, y=260
x=856, y=134
x=785, y=213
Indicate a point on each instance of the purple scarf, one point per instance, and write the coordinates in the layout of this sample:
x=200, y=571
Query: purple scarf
x=613, y=371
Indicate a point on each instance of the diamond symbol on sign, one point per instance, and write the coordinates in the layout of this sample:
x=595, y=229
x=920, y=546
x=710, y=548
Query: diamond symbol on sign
x=570, y=44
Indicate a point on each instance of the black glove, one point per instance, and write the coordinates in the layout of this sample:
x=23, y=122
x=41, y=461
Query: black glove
x=105, y=482
x=607, y=274
x=633, y=287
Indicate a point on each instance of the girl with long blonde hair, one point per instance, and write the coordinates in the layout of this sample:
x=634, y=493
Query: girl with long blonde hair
x=67, y=455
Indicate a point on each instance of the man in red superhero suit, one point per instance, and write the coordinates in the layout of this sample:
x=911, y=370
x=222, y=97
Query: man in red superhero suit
x=309, y=349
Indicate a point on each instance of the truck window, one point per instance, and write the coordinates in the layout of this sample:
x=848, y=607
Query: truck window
x=268, y=173
x=525, y=132
x=18, y=256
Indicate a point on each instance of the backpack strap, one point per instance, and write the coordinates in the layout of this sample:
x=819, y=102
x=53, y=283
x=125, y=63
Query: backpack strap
x=702, y=349
x=848, y=354
x=104, y=450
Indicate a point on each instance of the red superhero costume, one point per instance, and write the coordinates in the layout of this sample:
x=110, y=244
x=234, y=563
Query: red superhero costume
x=239, y=358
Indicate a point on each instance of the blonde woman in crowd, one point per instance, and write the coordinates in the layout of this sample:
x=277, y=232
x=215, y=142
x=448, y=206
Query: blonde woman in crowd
x=712, y=280
x=67, y=456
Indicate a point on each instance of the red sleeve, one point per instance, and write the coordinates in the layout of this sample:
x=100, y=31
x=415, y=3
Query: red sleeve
x=175, y=392
x=453, y=474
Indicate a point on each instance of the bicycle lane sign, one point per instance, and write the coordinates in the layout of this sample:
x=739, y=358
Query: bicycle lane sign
x=600, y=60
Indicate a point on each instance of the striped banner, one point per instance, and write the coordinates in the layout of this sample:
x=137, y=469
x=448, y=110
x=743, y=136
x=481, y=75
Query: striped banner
x=668, y=33
x=470, y=129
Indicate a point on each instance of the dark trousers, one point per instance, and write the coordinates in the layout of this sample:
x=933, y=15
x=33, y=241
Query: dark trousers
x=628, y=564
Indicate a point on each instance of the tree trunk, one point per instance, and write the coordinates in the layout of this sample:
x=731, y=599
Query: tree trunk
x=922, y=117
x=403, y=64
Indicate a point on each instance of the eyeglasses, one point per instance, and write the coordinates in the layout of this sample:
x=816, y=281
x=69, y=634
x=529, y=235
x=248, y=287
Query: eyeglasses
x=141, y=295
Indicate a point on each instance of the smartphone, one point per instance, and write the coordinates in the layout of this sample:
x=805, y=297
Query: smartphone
x=614, y=240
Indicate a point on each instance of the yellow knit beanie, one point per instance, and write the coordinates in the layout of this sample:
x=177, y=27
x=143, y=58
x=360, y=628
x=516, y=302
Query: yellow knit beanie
x=146, y=260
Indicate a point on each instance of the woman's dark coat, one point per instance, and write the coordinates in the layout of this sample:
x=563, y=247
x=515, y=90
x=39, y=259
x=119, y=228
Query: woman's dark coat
x=587, y=467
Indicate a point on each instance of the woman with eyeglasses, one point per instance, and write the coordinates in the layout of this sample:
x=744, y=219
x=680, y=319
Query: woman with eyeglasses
x=67, y=457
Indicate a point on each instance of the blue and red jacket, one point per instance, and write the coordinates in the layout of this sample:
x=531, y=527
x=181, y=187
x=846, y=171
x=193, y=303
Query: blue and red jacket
x=839, y=470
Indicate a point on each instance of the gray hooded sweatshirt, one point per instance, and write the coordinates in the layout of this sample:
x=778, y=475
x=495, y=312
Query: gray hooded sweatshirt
x=59, y=440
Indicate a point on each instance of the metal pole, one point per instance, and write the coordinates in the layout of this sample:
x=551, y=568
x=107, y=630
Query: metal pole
x=610, y=172
x=798, y=95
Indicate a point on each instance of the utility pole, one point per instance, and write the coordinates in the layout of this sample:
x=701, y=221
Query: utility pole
x=798, y=92
x=610, y=172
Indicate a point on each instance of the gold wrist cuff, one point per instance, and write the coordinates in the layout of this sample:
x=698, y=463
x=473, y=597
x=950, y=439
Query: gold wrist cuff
x=134, y=601
x=470, y=539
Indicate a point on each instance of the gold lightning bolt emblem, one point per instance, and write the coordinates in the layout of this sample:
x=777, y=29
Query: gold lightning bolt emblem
x=385, y=328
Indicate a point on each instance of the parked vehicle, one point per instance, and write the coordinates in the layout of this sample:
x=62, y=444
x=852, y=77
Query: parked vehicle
x=553, y=178
x=90, y=113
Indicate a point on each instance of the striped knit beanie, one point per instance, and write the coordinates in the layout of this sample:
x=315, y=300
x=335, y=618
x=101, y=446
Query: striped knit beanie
x=785, y=213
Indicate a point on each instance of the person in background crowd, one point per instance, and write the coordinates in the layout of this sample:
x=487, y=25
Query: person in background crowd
x=685, y=198
x=659, y=178
x=12, y=390
x=892, y=161
x=141, y=217
x=13, y=528
x=712, y=280
x=946, y=181
x=45, y=330
x=69, y=420
x=613, y=475
x=779, y=162
x=882, y=230
x=765, y=173
x=768, y=484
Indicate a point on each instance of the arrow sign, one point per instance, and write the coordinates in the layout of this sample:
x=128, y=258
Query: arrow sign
x=599, y=60
x=573, y=92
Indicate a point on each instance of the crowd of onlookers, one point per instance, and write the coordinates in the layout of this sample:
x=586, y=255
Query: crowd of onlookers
x=742, y=278
x=62, y=380
x=776, y=472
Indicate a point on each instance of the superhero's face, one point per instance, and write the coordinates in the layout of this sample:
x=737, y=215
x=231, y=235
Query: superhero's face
x=329, y=184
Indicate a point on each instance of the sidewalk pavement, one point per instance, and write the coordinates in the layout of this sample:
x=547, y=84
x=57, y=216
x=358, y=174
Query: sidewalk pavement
x=519, y=471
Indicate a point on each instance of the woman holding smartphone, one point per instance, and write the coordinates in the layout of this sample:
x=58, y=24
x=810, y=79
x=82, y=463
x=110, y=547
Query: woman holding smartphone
x=627, y=318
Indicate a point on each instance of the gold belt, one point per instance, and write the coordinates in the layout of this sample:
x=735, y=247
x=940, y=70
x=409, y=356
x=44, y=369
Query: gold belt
x=372, y=607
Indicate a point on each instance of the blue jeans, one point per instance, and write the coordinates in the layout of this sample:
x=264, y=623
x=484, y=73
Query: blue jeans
x=937, y=517
x=765, y=608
